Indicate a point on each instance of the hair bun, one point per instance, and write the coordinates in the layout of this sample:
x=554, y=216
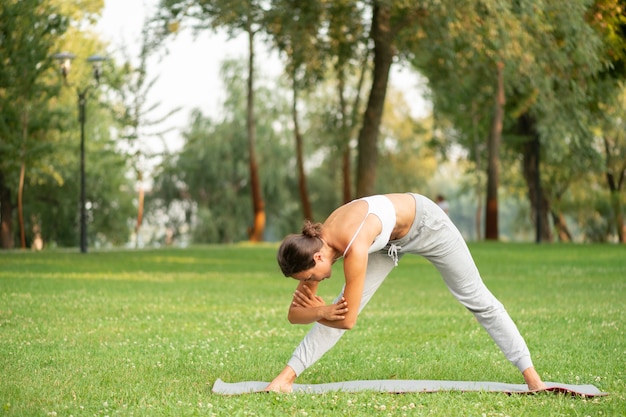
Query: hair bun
x=311, y=229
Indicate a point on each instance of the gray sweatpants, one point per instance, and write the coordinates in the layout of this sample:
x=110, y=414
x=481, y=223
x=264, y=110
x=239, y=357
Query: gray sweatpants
x=433, y=236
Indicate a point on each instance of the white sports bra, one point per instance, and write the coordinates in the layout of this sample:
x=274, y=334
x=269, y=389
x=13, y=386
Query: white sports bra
x=383, y=208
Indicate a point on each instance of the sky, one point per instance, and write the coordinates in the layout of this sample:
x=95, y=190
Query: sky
x=188, y=77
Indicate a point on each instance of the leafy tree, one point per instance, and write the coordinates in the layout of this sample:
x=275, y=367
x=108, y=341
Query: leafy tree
x=390, y=21
x=296, y=27
x=324, y=40
x=241, y=16
x=548, y=53
x=210, y=172
x=609, y=19
x=612, y=135
x=28, y=31
x=39, y=129
x=464, y=51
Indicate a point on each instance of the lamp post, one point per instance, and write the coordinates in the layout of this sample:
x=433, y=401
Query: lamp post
x=65, y=59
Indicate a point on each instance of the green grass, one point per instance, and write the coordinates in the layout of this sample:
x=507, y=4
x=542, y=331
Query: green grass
x=146, y=333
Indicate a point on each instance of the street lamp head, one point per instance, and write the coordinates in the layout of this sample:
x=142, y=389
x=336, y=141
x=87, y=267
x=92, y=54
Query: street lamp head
x=97, y=68
x=65, y=60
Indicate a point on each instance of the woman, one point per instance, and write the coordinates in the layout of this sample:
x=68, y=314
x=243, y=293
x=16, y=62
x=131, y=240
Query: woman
x=372, y=234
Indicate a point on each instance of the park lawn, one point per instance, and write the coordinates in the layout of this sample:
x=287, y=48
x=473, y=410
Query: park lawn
x=146, y=333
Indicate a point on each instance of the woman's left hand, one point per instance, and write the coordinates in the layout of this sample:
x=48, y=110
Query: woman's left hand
x=307, y=298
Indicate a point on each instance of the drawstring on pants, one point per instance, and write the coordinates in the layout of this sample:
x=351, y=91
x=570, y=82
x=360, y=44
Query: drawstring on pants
x=393, y=252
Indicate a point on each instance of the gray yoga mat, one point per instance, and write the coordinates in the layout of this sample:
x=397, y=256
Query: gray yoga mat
x=402, y=386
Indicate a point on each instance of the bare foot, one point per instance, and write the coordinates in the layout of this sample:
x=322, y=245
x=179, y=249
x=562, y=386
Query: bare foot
x=283, y=382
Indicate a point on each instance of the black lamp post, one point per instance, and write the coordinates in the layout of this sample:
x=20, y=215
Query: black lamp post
x=65, y=59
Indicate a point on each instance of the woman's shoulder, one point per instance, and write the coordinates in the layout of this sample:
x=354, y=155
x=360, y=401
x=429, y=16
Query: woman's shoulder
x=346, y=214
x=342, y=223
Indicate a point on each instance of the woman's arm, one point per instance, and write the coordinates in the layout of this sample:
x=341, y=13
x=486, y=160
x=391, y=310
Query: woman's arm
x=307, y=307
x=354, y=267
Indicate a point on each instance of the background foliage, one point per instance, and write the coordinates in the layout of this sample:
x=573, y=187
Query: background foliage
x=311, y=139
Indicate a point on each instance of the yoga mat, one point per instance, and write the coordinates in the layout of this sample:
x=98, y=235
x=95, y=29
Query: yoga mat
x=402, y=386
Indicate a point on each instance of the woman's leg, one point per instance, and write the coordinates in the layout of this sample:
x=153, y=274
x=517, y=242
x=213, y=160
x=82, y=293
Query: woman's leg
x=443, y=245
x=320, y=339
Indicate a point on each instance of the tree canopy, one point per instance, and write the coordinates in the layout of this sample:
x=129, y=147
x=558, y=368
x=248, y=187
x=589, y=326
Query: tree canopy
x=527, y=100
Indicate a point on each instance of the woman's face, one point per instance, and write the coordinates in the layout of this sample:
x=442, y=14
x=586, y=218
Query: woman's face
x=321, y=271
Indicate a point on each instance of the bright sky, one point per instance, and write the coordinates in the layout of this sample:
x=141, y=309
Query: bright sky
x=188, y=77
x=189, y=74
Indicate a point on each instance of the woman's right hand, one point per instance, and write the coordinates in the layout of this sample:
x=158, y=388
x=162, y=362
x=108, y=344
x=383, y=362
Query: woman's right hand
x=307, y=299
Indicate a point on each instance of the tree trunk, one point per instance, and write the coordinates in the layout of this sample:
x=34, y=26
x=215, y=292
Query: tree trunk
x=349, y=124
x=346, y=169
x=346, y=160
x=615, y=183
x=20, y=203
x=560, y=225
x=493, y=158
x=382, y=36
x=619, y=218
x=141, y=194
x=540, y=206
x=258, y=205
x=20, y=189
x=302, y=184
x=6, y=215
x=479, y=189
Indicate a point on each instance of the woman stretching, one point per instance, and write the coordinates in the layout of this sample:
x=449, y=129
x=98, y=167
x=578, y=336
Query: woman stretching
x=372, y=234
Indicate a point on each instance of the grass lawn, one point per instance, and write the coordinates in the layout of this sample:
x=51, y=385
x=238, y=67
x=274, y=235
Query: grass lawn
x=146, y=333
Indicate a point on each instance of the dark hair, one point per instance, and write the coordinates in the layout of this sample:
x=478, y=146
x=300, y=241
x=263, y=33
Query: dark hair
x=296, y=252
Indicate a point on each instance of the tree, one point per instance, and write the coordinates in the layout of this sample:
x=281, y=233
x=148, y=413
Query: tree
x=241, y=16
x=28, y=32
x=613, y=138
x=389, y=19
x=549, y=54
x=551, y=97
x=493, y=159
x=466, y=52
x=295, y=28
x=210, y=176
x=324, y=41
x=609, y=19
